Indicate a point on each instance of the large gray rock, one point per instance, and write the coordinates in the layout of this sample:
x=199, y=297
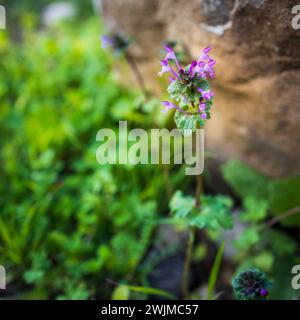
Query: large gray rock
x=257, y=106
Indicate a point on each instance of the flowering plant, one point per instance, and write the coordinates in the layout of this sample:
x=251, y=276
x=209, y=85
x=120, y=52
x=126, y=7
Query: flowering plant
x=189, y=87
x=118, y=42
x=251, y=284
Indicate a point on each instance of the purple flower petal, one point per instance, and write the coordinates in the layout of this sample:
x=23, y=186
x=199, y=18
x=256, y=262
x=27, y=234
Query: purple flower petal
x=202, y=107
x=206, y=50
x=168, y=49
x=172, y=56
x=204, y=56
x=166, y=68
x=169, y=105
x=211, y=62
x=192, y=66
x=201, y=64
x=207, y=95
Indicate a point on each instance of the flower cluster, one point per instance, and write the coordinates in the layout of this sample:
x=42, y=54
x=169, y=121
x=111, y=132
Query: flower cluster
x=118, y=42
x=189, y=85
x=251, y=284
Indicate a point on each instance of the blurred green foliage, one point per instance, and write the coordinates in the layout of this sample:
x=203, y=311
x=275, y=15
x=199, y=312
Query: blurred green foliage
x=67, y=222
x=273, y=250
x=213, y=214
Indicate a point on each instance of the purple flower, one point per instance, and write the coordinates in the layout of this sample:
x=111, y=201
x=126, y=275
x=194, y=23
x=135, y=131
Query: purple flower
x=204, y=56
x=169, y=105
x=211, y=62
x=171, y=79
x=187, y=84
x=171, y=56
x=201, y=64
x=107, y=42
x=166, y=68
x=264, y=292
x=192, y=67
x=206, y=50
x=202, y=107
x=207, y=95
x=212, y=74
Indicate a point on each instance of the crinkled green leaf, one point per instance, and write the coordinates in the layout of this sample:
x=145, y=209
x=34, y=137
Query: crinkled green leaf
x=215, y=213
x=181, y=206
x=188, y=123
x=247, y=239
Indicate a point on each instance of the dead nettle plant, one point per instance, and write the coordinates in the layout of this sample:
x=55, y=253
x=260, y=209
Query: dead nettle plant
x=191, y=98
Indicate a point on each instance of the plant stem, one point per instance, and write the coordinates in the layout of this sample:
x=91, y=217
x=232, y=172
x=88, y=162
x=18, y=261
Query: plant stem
x=282, y=216
x=191, y=240
x=199, y=189
x=132, y=64
x=187, y=263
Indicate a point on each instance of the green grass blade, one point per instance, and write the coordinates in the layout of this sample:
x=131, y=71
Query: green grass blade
x=214, y=272
x=149, y=290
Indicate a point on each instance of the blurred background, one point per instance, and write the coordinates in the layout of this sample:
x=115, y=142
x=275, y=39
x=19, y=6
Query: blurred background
x=73, y=229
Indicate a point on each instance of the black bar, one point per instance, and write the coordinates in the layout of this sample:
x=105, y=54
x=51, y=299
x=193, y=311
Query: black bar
x=92, y=310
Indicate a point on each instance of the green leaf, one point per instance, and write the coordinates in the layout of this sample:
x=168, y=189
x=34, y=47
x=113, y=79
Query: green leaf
x=245, y=181
x=33, y=276
x=181, y=206
x=214, y=272
x=248, y=238
x=188, y=123
x=264, y=260
x=215, y=213
x=255, y=209
x=281, y=244
x=285, y=195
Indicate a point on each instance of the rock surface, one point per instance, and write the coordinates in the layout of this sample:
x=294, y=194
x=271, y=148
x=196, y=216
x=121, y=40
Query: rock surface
x=257, y=106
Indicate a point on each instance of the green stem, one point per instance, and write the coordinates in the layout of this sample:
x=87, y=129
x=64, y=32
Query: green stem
x=190, y=243
x=187, y=263
x=215, y=272
x=191, y=240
